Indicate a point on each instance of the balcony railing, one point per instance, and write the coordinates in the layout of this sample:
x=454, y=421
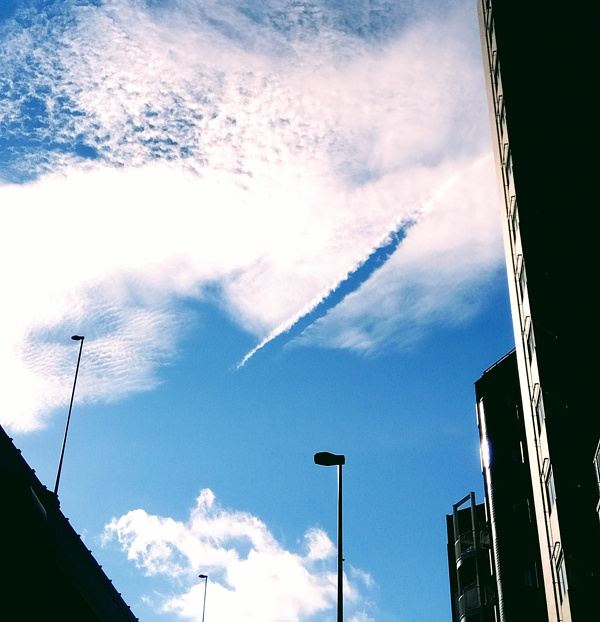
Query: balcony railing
x=469, y=601
x=466, y=542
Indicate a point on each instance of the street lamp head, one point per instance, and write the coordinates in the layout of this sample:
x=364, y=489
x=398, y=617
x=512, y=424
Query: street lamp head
x=203, y=576
x=324, y=458
x=77, y=338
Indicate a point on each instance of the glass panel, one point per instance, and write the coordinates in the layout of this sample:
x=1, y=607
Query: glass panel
x=539, y=411
x=562, y=577
x=550, y=490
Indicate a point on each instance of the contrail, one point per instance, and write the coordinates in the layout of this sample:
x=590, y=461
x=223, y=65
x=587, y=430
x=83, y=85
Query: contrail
x=357, y=275
x=351, y=280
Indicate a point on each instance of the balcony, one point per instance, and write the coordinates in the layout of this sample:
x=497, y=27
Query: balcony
x=469, y=602
x=466, y=543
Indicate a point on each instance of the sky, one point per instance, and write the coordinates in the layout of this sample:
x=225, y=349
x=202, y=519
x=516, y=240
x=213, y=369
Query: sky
x=277, y=226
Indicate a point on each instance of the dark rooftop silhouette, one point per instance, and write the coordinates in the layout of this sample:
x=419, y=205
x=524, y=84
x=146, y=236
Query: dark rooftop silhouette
x=46, y=571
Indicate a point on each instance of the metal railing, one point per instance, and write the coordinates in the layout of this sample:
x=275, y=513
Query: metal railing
x=469, y=601
x=466, y=542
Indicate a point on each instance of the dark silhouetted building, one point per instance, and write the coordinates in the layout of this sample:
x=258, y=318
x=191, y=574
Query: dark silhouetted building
x=46, y=572
x=515, y=552
x=540, y=59
x=471, y=580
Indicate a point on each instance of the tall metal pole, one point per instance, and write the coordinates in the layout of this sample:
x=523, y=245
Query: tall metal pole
x=205, y=577
x=340, y=607
x=62, y=452
x=325, y=458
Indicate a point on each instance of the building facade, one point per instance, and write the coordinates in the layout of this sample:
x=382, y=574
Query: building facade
x=538, y=66
x=515, y=553
x=471, y=579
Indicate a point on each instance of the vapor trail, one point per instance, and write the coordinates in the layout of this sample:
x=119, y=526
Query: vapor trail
x=382, y=251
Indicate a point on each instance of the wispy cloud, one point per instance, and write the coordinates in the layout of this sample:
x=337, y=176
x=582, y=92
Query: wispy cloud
x=150, y=152
x=252, y=576
x=437, y=274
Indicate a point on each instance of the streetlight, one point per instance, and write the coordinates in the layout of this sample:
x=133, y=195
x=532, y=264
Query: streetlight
x=205, y=577
x=79, y=338
x=324, y=458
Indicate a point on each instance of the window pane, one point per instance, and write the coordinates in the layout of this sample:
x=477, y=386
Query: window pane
x=550, y=489
x=562, y=577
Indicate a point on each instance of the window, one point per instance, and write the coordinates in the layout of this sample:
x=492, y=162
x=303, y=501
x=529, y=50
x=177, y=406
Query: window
x=488, y=10
x=513, y=219
x=522, y=278
x=509, y=175
x=530, y=340
x=597, y=466
x=540, y=414
x=509, y=164
x=550, y=489
x=502, y=120
x=530, y=344
x=522, y=281
x=538, y=407
x=496, y=65
x=561, y=573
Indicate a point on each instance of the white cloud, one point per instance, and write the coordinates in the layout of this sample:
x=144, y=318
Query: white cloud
x=319, y=544
x=437, y=274
x=259, y=157
x=365, y=577
x=251, y=576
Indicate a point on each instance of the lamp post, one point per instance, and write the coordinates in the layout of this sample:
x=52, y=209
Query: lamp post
x=324, y=458
x=79, y=338
x=205, y=577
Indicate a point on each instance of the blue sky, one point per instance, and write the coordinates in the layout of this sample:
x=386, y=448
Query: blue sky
x=277, y=226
